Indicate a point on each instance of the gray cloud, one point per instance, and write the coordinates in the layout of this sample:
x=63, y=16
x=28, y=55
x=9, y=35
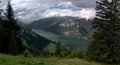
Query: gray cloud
x=84, y=3
x=29, y=10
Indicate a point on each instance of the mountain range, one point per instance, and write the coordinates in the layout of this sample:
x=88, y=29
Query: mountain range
x=73, y=32
x=68, y=26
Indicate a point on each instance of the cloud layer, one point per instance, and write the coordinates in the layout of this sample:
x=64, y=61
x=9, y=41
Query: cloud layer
x=67, y=9
x=30, y=10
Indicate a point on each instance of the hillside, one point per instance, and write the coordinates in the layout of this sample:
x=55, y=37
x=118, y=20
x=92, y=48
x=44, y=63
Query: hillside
x=68, y=26
x=30, y=39
x=34, y=40
x=20, y=60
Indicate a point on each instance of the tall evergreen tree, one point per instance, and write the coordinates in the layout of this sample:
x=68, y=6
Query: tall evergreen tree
x=11, y=22
x=105, y=46
x=12, y=42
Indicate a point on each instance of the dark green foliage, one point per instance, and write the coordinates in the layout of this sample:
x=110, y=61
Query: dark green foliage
x=72, y=54
x=4, y=39
x=105, y=46
x=27, y=53
x=13, y=49
x=13, y=29
x=10, y=40
x=3, y=47
x=34, y=40
x=50, y=50
x=10, y=22
x=58, y=49
x=55, y=49
x=20, y=45
x=62, y=51
x=81, y=54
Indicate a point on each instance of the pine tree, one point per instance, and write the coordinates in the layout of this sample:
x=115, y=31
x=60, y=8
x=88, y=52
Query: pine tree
x=11, y=23
x=12, y=40
x=105, y=46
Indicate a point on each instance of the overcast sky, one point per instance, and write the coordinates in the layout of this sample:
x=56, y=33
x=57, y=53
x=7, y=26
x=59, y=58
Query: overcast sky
x=30, y=10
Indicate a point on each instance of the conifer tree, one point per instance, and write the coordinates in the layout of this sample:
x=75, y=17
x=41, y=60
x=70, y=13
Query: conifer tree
x=105, y=46
x=11, y=22
x=12, y=39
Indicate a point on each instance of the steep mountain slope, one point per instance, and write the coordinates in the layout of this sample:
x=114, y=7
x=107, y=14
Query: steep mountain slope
x=68, y=26
x=34, y=40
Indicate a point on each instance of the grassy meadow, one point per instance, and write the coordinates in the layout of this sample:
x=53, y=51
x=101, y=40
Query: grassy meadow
x=21, y=60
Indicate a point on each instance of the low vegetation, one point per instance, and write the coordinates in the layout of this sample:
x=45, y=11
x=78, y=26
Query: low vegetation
x=21, y=60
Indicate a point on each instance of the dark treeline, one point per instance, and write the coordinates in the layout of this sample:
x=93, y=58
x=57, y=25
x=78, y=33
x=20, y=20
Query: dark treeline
x=59, y=50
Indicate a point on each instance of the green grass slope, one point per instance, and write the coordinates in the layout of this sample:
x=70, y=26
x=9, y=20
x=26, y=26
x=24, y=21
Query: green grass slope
x=20, y=60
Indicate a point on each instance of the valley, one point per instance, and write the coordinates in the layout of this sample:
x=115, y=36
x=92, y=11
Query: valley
x=72, y=32
x=74, y=43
